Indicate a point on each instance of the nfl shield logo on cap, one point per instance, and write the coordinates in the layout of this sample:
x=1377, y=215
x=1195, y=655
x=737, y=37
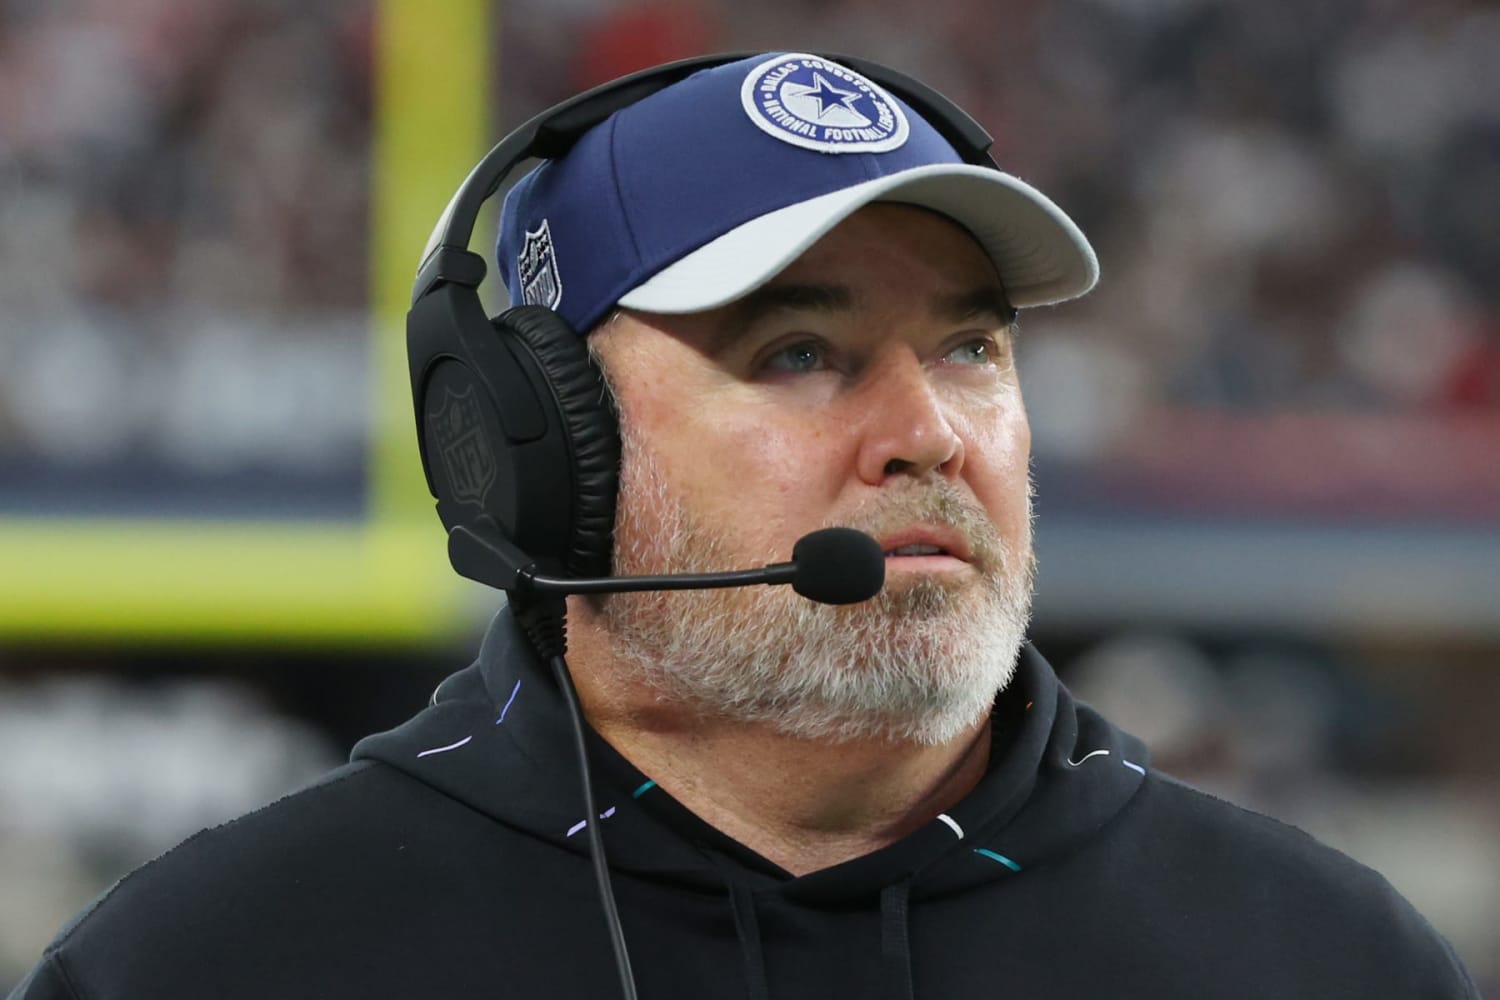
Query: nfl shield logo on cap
x=541, y=285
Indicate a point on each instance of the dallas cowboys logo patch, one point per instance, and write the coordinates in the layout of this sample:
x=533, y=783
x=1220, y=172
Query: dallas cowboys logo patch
x=816, y=104
x=536, y=265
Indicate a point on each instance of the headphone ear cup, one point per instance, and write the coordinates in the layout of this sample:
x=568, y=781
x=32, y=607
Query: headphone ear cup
x=590, y=429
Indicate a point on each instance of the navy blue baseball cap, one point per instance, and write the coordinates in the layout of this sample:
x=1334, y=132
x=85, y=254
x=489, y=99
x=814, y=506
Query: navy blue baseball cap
x=702, y=192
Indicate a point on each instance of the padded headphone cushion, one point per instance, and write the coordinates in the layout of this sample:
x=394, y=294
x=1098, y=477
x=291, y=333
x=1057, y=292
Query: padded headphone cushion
x=589, y=425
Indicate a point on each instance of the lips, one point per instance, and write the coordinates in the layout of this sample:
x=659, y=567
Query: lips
x=918, y=550
x=926, y=540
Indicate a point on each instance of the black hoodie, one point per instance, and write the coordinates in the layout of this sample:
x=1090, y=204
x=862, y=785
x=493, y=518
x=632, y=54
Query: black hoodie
x=448, y=859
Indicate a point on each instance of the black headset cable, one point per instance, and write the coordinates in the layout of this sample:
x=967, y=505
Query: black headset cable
x=544, y=620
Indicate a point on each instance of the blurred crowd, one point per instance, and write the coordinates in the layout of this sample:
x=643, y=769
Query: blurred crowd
x=183, y=196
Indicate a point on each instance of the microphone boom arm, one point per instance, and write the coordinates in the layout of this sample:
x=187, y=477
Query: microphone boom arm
x=776, y=573
x=830, y=566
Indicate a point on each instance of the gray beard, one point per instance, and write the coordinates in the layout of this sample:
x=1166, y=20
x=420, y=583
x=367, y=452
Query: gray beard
x=919, y=664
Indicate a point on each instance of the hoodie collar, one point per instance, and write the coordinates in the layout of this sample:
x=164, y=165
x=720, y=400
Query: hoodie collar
x=497, y=737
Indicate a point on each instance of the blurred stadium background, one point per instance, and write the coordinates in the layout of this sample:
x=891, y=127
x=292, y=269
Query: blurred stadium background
x=1268, y=448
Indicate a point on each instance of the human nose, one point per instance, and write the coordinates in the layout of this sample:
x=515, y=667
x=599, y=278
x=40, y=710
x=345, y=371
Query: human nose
x=906, y=430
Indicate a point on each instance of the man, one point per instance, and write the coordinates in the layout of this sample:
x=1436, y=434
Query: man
x=892, y=798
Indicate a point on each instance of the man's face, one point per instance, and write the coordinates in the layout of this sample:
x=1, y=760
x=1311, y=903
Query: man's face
x=871, y=384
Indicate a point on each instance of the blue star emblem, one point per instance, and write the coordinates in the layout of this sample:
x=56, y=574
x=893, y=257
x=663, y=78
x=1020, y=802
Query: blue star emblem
x=829, y=96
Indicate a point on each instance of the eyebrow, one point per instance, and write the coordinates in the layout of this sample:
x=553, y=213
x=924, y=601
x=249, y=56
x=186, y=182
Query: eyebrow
x=804, y=298
x=986, y=301
x=769, y=299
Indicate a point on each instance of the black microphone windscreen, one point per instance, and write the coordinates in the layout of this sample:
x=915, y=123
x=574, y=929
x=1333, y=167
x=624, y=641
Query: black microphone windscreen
x=838, y=566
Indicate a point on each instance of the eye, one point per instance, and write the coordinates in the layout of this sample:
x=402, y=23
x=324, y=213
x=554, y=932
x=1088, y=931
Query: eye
x=978, y=351
x=802, y=356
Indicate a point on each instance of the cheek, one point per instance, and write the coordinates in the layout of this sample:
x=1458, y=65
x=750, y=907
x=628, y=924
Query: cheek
x=751, y=469
x=1004, y=441
x=997, y=460
x=774, y=475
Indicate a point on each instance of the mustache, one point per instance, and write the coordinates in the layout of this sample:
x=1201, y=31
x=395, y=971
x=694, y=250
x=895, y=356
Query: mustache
x=937, y=503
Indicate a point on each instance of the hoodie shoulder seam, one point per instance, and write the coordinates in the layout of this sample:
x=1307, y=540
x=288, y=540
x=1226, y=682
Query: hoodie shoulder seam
x=1294, y=834
x=335, y=777
x=54, y=957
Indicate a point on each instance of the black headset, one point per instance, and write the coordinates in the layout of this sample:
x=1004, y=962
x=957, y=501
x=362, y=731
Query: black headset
x=519, y=442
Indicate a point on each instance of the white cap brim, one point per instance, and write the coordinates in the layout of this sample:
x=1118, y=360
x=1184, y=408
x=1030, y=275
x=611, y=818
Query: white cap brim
x=1040, y=255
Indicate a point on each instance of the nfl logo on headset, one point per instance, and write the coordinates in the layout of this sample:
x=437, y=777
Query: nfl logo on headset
x=459, y=429
x=817, y=104
x=536, y=264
